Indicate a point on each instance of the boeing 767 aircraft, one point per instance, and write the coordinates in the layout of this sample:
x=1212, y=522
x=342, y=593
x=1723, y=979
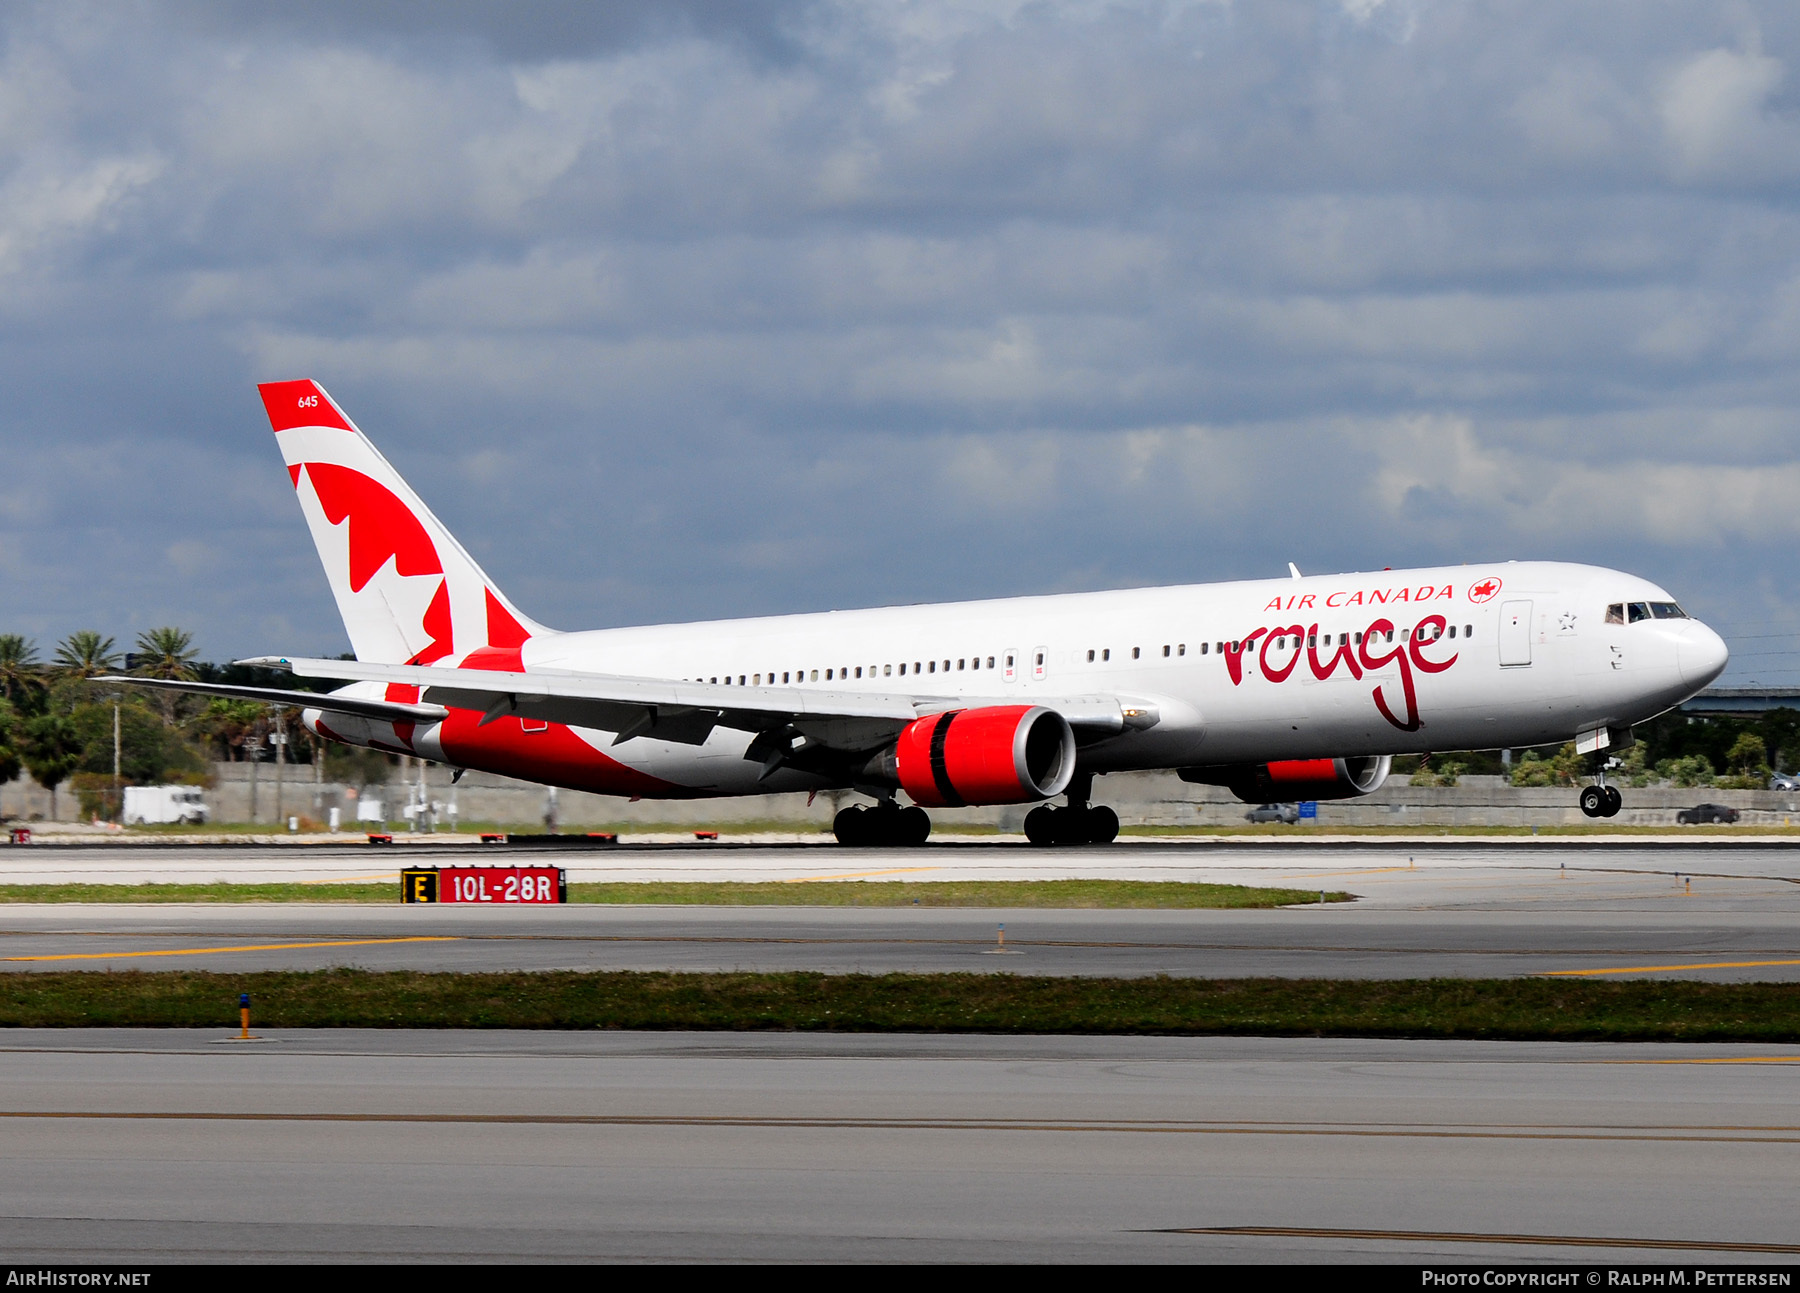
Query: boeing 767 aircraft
x=1298, y=688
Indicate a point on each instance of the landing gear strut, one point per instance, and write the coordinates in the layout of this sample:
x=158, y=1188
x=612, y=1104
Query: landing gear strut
x=1600, y=799
x=886, y=825
x=1079, y=823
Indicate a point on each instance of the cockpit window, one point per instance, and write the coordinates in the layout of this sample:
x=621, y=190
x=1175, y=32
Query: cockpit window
x=1640, y=611
x=1667, y=611
x=1615, y=614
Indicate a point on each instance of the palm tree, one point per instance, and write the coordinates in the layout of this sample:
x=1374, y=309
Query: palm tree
x=20, y=670
x=85, y=654
x=228, y=722
x=166, y=653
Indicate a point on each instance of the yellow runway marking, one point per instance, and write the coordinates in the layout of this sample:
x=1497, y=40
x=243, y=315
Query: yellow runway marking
x=1724, y=1059
x=858, y=875
x=1662, y=969
x=255, y=947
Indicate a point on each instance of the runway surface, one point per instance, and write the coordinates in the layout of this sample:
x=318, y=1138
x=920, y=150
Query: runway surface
x=1433, y=870
x=172, y=1146
x=1425, y=909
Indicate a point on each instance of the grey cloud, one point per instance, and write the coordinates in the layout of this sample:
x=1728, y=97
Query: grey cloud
x=529, y=33
x=675, y=311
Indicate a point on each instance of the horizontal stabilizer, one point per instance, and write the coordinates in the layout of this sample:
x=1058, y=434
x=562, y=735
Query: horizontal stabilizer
x=386, y=711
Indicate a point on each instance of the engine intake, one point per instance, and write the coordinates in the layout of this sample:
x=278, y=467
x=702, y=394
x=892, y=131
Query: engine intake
x=999, y=754
x=1294, y=779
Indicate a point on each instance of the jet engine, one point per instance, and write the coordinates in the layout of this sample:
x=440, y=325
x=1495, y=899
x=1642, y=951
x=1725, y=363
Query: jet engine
x=998, y=754
x=1295, y=779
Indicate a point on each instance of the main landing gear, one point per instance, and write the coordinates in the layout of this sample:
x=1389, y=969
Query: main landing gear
x=1079, y=823
x=886, y=825
x=1600, y=799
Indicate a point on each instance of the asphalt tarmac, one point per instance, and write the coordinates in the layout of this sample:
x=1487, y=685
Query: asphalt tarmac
x=141, y=1146
x=1423, y=909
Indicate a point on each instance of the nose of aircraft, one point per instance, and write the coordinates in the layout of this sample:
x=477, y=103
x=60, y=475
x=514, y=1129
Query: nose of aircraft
x=1701, y=655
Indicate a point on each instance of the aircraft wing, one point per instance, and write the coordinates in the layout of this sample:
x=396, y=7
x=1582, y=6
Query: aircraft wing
x=387, y=711
x=686, y=712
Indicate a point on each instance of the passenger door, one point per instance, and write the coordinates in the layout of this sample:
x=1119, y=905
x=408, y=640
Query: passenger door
x=1515, y=634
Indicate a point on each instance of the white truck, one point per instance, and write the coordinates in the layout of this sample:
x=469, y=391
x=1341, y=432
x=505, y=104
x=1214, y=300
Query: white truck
x=146, y=804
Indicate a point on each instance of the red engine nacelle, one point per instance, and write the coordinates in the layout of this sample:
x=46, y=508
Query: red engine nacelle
x=999, y=754
x=1296, y=779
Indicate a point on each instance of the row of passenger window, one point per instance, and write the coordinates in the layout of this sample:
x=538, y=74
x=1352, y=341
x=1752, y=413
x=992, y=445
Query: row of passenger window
x=1137, y=653
x=1431, y=633
x=1098, y=654
x=1104, y=654
x=845, y=674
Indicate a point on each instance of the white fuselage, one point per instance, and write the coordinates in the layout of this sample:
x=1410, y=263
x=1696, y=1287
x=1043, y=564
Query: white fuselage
x=1249, y=672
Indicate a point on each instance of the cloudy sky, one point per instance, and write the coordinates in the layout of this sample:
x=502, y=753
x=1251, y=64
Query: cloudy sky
x=748, y=306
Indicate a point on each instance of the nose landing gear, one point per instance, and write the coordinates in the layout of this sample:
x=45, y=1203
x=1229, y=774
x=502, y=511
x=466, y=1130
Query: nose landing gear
x=1079, y=823
x=1600, y=799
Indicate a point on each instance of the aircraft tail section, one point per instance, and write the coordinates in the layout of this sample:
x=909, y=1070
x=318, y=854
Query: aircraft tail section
x=408, y=591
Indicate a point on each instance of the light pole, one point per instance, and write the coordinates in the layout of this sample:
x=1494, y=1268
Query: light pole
x=117, y=802
x=253, y=747
x=280, y=764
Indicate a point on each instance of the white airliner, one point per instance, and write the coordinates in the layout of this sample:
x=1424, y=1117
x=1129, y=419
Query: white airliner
x=1290, y=689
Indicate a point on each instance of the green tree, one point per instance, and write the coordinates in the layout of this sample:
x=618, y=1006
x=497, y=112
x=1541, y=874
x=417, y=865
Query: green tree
x=1687, y=772
x=167, y=652
x=21, y=673
x=52, y=751
x=1634, y=767
x=1438, y=770
x=1564, y=768
x=1748, y=761
x=85, y=654
x=12, y=733
x=224, y=724
x=150, y=752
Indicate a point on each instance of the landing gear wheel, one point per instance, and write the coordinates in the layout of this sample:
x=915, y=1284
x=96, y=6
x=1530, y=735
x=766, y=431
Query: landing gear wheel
x=1040, y=825
x=1614, y=802
x=1069, y=825
x=1103, y=825
x=913, y=826
x=884, y=826
x=1593, y=801
x=851, y=826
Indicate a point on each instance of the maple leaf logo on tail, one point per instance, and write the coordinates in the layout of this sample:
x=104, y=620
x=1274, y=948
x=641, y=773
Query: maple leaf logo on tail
x=408, y=591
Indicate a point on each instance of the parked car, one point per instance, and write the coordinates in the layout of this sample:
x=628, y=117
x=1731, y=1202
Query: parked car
x=1704, y=814
x=1785, y=781
x=1286, y=813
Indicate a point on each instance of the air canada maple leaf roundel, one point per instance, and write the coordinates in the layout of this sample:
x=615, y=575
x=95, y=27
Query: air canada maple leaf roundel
x=1484, y=590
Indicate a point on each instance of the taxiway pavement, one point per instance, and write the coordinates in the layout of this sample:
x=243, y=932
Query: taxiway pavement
x=1423, y=909
x=159, y=1146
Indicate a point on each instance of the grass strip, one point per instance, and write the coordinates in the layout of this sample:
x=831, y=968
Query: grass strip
x=1067, y=894
x=1071, y=894
x=1512, y=1009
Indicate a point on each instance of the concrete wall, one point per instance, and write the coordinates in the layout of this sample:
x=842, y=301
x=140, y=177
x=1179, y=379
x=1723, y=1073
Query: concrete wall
x=1140, y=798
